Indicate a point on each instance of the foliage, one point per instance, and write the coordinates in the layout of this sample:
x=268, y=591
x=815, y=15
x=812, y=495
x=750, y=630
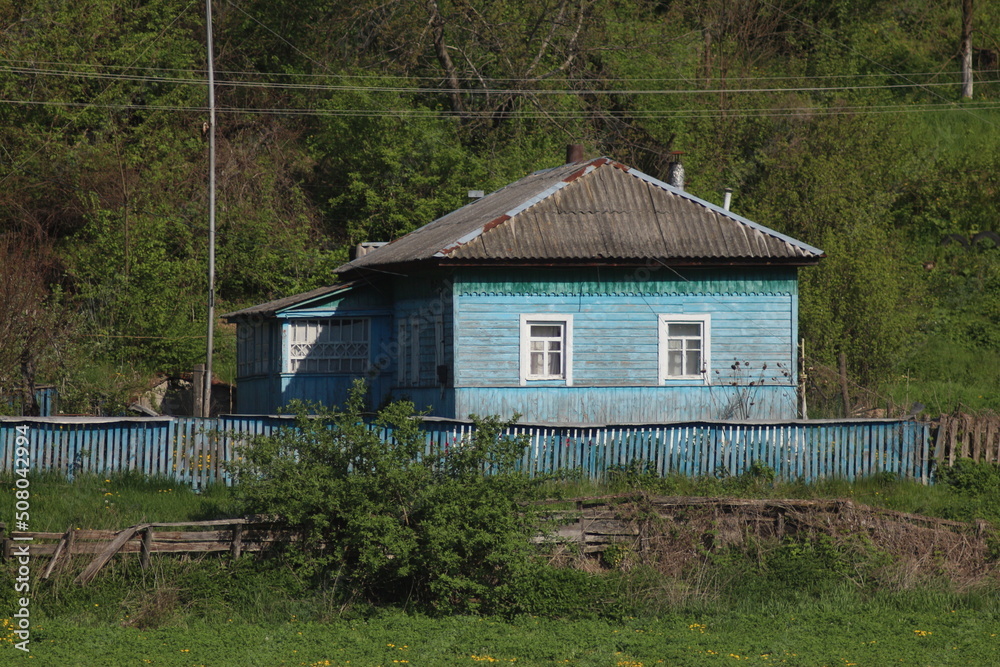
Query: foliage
x=348, y=121
x=978, y=483
x=388, y=521
x=35, y=321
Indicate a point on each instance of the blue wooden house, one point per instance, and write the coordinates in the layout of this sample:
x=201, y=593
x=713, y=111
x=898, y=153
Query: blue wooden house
x=589, y=293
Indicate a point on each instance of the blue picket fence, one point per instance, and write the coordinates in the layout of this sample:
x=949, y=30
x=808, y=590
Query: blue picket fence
x=194, y=451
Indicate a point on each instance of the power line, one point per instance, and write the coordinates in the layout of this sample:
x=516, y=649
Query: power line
x=862, y=55
x=762, y=112
x=482, y=91
x=52, y=136
x=32, y=65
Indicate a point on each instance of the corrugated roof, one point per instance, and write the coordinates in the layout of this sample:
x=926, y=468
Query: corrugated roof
x=272, y=307
x=594, y=210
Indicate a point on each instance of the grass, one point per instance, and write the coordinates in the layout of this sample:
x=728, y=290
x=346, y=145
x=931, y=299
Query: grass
x=822, y=632
x=213, y=611
x=114, y=501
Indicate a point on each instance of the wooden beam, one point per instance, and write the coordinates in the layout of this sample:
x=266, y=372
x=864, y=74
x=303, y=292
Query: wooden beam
x=237, y=541
x=66, y=538
x=147, y=539
x=102, y=559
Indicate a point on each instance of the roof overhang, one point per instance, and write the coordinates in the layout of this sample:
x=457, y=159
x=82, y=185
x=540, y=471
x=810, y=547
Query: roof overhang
x=278, y=306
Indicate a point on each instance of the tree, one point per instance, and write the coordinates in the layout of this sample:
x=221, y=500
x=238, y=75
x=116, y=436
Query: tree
x=34, y=323
x=834, y=184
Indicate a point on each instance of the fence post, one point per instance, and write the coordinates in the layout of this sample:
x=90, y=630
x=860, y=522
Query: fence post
x=147, y=543
x=237, y=548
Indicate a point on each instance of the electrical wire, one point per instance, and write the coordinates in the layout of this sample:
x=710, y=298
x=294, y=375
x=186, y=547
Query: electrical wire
x=391, y=77
x=482, y=91
x=765, y=112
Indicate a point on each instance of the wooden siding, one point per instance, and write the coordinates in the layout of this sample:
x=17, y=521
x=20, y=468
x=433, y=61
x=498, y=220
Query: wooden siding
x=193, y=451
x=615, y=342
x=623, y=405
x=616, y=338
x=256, y=396
x=357, y=299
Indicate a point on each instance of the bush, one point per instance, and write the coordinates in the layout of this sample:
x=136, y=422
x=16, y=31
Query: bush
x=391, y=521
x=979, y=486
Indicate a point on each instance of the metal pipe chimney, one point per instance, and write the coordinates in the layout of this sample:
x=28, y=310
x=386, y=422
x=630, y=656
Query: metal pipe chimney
x=727, y=199
x=574, y=153
x=675, y=175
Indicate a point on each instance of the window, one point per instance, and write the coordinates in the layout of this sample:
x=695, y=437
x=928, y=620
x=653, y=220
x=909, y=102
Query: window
x=408, y=365
x=339, y=345
x=253, y=341
x=421, y=350
x=546, y=348
x=684, y=347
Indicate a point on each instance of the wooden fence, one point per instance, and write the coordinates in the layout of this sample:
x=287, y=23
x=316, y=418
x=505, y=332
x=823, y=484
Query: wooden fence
x=194, y=451
x=968, y=436
x=237, y=536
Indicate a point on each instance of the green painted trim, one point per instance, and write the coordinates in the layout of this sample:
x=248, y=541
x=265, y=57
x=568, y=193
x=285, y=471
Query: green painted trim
x=654, y=280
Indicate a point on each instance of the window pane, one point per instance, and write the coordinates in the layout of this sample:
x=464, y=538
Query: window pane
x=693, y=362
x=338, y=345
x=685, y=329
x=537, y=363
x=555, y=363
x=546, y=331
x=674, y=345
x=675, y=363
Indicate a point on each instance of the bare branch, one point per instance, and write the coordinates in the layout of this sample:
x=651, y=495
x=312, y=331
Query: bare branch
x=441, y=49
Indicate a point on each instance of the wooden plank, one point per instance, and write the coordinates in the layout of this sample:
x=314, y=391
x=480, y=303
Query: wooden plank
x=966, y=436
x=990, y=446
x=977, y=438
x=147, y=537
x=952, y=440
x=66, y=538
x=237, y=544
x=941, y=438
x=106, y=555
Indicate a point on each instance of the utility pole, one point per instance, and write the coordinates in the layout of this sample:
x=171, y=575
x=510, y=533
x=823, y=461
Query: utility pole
x=967, y=49
x=206, y=407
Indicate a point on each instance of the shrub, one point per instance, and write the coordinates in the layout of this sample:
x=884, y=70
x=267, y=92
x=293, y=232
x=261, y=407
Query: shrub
x=391, y=521
x=979, y=486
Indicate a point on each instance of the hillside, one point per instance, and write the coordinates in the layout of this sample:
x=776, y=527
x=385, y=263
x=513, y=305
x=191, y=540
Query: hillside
x=840, y=123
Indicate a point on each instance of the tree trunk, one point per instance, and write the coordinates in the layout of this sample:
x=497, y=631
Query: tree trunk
x=844, y=393
x=444, y=58
x=967, y=49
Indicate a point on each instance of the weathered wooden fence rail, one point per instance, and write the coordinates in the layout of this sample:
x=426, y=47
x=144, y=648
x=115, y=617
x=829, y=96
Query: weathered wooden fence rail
x=194, y=451
x=968, y=436
x=237, y=536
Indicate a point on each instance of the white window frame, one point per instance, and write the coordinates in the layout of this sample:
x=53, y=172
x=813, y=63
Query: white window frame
x=296, y=344
x=253, y=348
x=567, y=344
x=704, y=374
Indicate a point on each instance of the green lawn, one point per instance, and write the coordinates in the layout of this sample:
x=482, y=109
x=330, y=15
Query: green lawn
x=809, y=635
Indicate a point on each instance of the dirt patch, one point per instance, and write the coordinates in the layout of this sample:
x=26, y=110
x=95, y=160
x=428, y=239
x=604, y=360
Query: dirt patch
x=672, y=533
